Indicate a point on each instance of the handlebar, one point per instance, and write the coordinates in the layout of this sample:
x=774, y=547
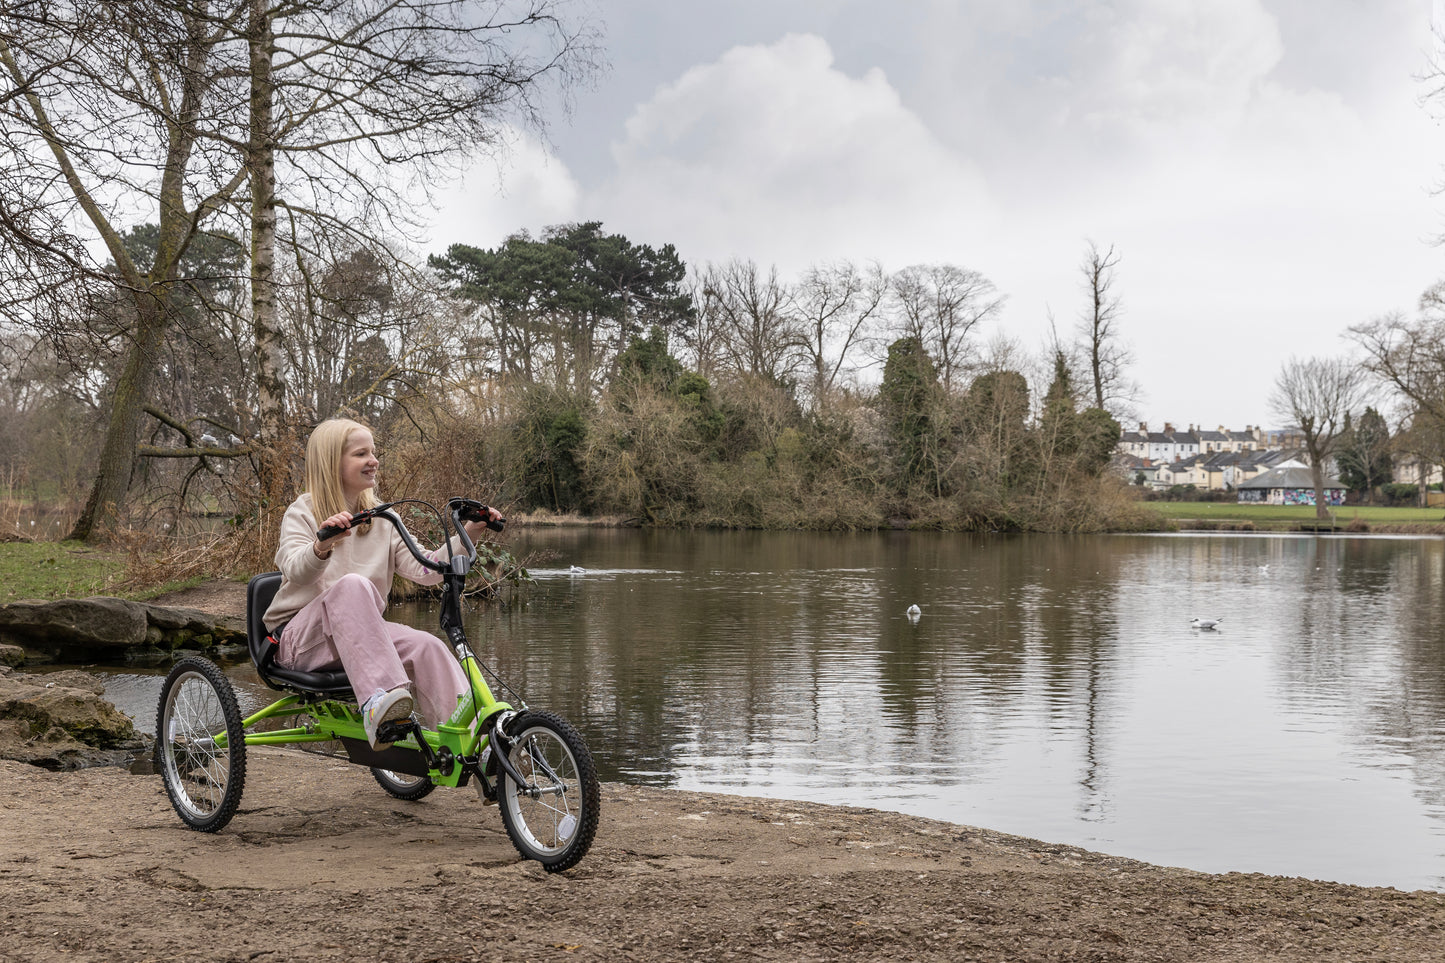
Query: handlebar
x=462, y=509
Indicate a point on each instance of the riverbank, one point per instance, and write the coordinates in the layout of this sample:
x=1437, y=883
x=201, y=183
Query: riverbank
x=320, y=864
x=1344, y=520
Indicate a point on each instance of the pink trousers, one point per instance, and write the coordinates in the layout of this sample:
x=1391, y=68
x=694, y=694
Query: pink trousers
x=344, y=626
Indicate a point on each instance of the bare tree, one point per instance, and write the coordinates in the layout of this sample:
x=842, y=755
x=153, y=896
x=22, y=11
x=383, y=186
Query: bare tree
x=344, y=93
x=181, y=112
x=1106, y=356
x=1409, y=356
x=757, y=315
x=1314, y=395
x=940, y=305
x=837, y=303
x=109, y=109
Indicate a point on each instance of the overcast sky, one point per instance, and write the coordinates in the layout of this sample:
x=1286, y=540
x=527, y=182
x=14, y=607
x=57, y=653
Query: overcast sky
x=1267, y=170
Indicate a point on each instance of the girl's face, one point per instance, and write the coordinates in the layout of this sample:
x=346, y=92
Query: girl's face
x=358, y=465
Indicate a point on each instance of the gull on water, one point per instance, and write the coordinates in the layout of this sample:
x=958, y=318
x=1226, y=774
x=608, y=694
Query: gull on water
x=1205, y=623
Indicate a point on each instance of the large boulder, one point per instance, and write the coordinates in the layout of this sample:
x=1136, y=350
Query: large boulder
x=61, y=721
x=103, y=623
x=95, y=622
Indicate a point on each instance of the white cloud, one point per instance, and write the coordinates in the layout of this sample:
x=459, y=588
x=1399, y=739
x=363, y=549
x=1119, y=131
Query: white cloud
x=1262, y=167
x=772, y=153
x=524, y=188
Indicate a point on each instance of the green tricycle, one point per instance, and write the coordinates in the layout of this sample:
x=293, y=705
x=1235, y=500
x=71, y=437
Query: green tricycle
x=530, y=762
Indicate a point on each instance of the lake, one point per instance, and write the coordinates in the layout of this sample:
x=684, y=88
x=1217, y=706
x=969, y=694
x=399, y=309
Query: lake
x=1052, y=686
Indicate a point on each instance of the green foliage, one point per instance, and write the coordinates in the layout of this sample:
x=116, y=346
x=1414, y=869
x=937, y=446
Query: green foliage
x=1364, y=453
x=1397, y=493
x=647, y=360
x=545, y=445
x=561, y=308
x=907, y=400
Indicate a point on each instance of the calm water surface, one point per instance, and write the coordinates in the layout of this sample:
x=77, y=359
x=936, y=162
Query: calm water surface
x=1052, y=687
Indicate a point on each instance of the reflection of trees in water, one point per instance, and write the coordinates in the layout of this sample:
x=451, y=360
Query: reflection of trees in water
x=1366, y=642
x=1037, y=634
x=761, y=639
x=741, y=649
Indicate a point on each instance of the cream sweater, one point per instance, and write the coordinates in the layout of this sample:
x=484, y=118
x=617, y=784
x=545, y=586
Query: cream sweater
x=377, y=555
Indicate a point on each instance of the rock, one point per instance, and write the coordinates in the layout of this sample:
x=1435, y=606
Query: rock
x=95, y=622
x=11, y=655
x=61, y=721
x=72, y=679
x=179, y=626
x=111, y=623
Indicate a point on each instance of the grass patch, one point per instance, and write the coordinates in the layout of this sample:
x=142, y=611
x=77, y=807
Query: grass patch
x=57, y=570
x=1283, y=516
x=72, y=570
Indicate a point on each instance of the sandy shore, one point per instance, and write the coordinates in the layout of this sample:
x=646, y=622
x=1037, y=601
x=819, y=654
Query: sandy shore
x=320, y=864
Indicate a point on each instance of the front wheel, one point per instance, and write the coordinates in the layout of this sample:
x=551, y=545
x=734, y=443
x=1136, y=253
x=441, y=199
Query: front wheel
x=200, y=748
x=553, y=817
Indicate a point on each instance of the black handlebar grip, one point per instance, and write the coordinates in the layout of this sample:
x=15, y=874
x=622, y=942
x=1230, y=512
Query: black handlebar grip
x=328, y=531
x=472, y=511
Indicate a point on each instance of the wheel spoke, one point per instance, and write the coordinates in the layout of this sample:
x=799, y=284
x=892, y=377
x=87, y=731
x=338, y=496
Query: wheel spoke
x=203, y=777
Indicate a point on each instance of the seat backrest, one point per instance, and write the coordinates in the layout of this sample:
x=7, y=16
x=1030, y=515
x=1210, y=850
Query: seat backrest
x=259, y=593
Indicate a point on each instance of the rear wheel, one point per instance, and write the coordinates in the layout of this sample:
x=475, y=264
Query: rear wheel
x=553, y=817
x=403, y=785
x=200, y=748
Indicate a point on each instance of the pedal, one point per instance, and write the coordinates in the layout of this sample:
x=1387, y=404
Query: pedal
x=394, y=731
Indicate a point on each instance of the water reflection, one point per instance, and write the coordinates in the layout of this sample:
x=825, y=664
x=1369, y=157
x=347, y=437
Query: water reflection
x=1052, y=686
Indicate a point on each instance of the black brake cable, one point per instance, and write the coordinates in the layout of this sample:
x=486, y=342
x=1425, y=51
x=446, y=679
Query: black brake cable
x=502, y=683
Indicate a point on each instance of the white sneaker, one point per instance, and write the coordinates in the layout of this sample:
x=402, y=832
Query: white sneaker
x=388, y=707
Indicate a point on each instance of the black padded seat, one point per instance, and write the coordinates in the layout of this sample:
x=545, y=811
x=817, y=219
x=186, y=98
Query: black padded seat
x=259, y=593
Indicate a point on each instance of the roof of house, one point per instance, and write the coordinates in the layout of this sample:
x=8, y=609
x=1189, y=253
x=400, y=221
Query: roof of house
x=1182, y=464
x=1292, y=477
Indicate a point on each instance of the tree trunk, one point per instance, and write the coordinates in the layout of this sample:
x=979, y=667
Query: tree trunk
x=118, y=455
x=1317, y=476
x=261, y=171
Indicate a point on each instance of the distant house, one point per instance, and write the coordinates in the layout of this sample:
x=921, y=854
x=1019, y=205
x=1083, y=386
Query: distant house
x=1172, y=445
x=1185, y=471
x=1130, y=468
x=1211, y=442
x=1289, y=484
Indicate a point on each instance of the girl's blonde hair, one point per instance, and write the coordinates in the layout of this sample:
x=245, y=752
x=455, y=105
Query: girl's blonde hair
x=323, y=470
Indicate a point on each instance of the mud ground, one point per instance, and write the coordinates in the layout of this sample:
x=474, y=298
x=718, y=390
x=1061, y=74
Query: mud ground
x=320, y=864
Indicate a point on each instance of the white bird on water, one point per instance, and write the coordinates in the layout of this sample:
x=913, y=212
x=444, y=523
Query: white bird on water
x=914, y=611
x=1205, y=623
x=577, y=570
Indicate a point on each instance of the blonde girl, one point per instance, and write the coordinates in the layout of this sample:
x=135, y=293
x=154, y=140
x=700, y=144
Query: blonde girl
x=329, y=610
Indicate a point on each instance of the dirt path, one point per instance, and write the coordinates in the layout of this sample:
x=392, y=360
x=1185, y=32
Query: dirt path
x=320, y=864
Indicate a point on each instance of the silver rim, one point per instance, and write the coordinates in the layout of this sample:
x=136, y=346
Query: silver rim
x=402, y=780
x=548, y=809
x=196, y=767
